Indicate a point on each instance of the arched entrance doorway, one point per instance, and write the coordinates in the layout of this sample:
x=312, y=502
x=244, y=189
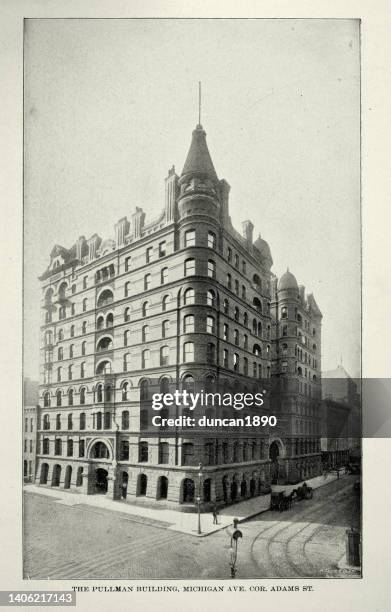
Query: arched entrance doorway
x=44, y=473
x=101, y=481
x=142, y=483
x=124, y=484
x=252, y=487
x=188, y=491
x=243, y=488
x=162, y=488
x=56, y=476
x=234, y=490
x=274, y=452
x=68, y=476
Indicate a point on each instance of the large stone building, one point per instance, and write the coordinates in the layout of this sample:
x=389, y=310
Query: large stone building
x=182, y=301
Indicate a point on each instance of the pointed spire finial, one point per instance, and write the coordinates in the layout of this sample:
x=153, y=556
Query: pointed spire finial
x=199, y=126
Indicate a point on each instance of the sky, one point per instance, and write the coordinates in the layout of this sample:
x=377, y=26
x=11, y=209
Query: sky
x=110, y=106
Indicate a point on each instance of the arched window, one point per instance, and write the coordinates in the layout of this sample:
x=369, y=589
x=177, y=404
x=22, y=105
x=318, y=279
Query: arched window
x=125, y=419
x=125, y=388
x=255, y=327
x=99, y=393
x=236, y=313
x=147, y=282
x=126, y=337
x=126, y=362
x=189, y=269
x=164, y=276
x=104, y=367
x=260, y=329
x=82, y=370
x=165, y=301
x=70, y=397
x=127, y=289
x=229, y=281
x=124, y=450
x=46, y=399
x=257, y=304
x=108, y=393
x=83, y=395
x=143, y=452
x=146, y=359
x=210, y=298
x=45, y=446
x=237, y=287
x=285, y=331
x=188, y=383
x=226, y=306
x=100, y=322
x=144, y=391
x=145, y=333
x=58, y=398
x=243, y=292
x=245, y=319
x=127, y=263
x=236, y=337
x=70, y=372
x=83, y=347
x=189, y=297
x=284, y=348
x=164, y=356
x=84, y=304
x=84, y=327
x=72, y=331
x=165, y=328
x=69, y=448
x=82, y=420
x=60, y=354
x=236, y=362
x=257, y=350
x=188, y=352
x=105, y=298
x=164, y=385
x=59, y=374
x=127, y=314
x=188, y=324
x=46, y=421
x=211, y=268
x=110, y=320
x=81, y=454
x=145, y=309
x=245, y=341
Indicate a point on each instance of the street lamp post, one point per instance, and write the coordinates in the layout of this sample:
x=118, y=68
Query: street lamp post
x=234, y=547
x=199, y=498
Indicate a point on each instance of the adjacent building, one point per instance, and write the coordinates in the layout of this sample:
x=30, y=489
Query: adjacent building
x=183, y=301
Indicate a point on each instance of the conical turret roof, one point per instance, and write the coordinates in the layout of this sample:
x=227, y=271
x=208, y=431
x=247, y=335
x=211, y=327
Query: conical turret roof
x=198, y=160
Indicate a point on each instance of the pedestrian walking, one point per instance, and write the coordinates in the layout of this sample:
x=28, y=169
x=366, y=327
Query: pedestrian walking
x=215, y=515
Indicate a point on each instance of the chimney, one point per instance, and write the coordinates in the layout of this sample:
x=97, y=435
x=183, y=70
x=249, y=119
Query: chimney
x=93, y=245
x=224, y=194
x=121, y=229
x=138, y=218
x=80, y=247
x=171, y=189
x=248, y=229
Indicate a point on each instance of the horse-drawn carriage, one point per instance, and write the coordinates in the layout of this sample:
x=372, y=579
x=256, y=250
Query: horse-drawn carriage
x=280, y=501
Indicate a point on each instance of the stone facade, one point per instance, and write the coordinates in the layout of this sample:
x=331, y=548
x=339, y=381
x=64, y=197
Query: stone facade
x=29, y=442
x=184, y=301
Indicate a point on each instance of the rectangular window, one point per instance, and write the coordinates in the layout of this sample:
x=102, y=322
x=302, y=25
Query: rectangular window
x=211, y=269
x=210, y=325
x=190, y=237
x=148, y=254
x=236, y=261
x=188, y=352
x=189, y=267
x=225, y=332
x=211, y=240
x=225, y=358
x=162, y=249
x=188, y=326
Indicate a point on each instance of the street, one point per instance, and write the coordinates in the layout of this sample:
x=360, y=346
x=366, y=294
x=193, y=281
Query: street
x=79, y=542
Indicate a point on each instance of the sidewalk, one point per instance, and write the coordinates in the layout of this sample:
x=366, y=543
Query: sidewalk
x=183, y=522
